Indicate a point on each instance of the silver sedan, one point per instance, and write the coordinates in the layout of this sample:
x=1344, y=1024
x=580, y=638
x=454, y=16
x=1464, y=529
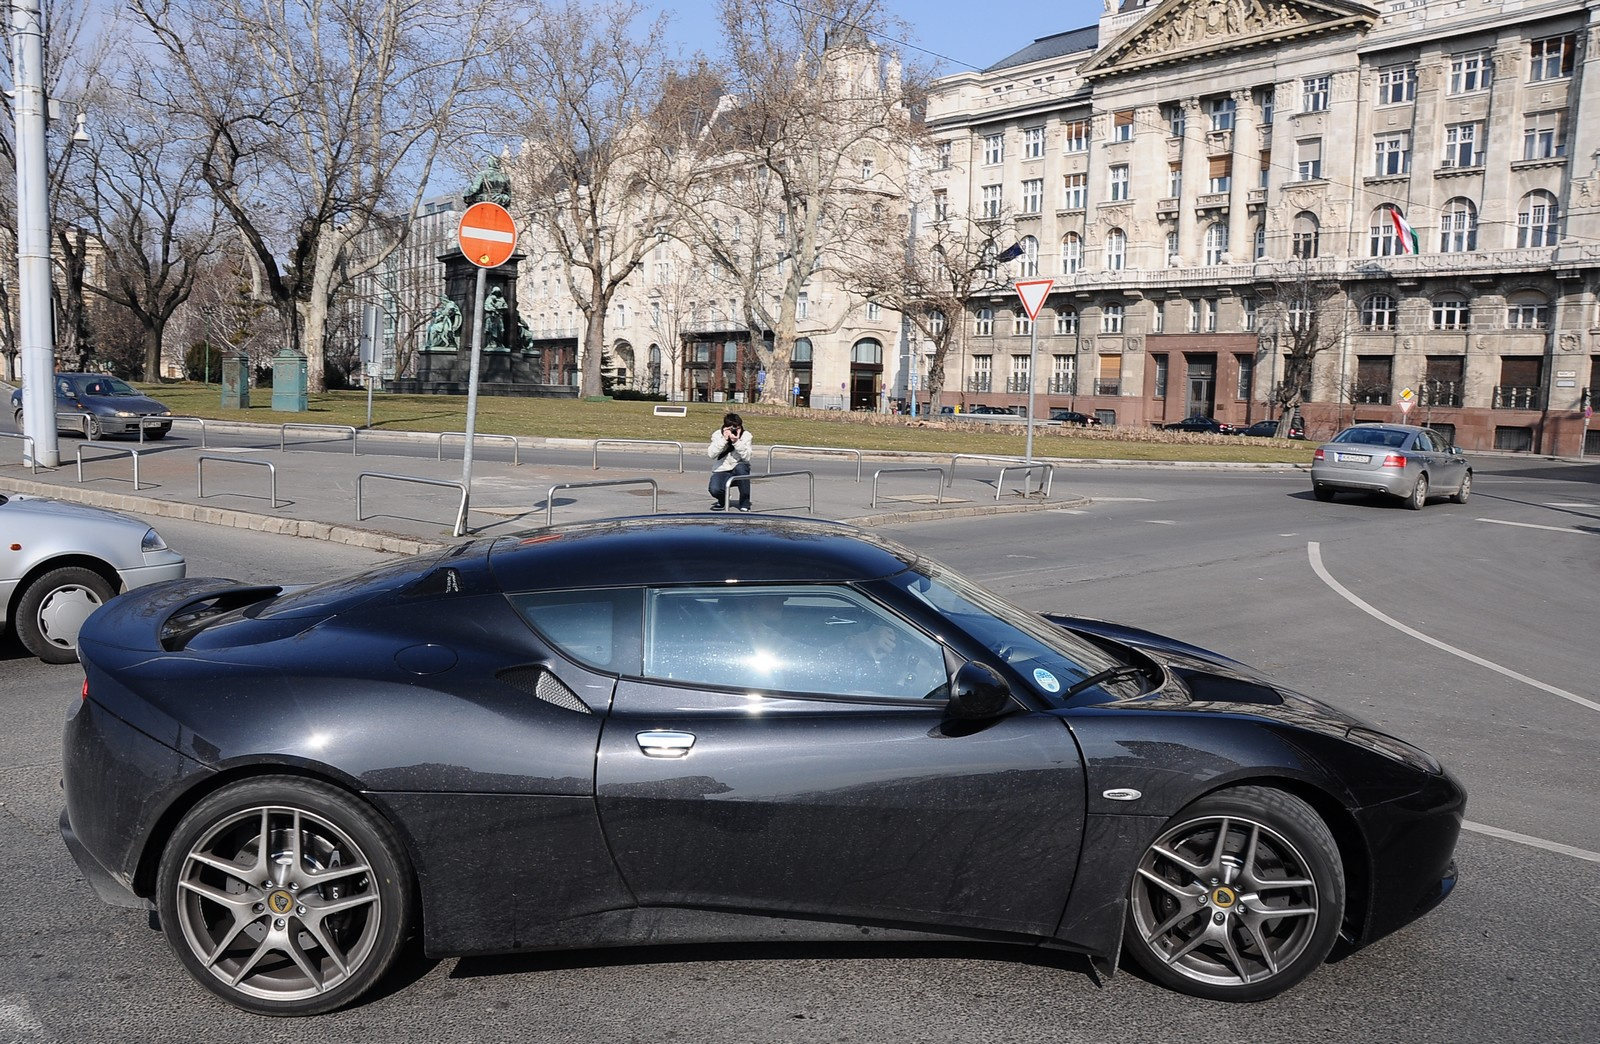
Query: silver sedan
x=1401, y=460
x=60, y=562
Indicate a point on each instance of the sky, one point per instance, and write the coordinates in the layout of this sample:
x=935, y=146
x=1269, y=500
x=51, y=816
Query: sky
x=956, y=35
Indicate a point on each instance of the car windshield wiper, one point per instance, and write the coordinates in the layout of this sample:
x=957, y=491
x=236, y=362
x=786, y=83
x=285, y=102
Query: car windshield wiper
x=1125, y=670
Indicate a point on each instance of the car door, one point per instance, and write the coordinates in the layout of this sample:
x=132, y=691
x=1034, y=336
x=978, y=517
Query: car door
x=729, y=776
x=1451, y=467
x=69, y=414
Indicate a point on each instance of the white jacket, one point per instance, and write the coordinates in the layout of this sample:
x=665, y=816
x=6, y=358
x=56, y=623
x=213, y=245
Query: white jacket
x=741, y=450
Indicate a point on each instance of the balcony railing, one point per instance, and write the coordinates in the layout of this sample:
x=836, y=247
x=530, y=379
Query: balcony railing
x=978, y=384
x=1063, y=386
x=1370, y=396
x=1017, y=385
x=1439, y=393
x=1518, y=397
x=1108, y=387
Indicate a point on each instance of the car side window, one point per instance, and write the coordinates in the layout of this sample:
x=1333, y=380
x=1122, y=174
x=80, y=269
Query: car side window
x=1424, y=444
x=598, y=628
x=823, y=640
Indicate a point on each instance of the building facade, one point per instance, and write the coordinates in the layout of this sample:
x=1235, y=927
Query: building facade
x=1176, y=166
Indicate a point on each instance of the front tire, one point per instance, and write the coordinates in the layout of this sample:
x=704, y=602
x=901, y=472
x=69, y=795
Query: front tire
x=285, y=896
x=1238, y=899
x=1460, y=496
x=1419, y=494
x=52, y=610
x=91, y=428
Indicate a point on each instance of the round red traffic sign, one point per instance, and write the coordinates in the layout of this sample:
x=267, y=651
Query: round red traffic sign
x=488, y=235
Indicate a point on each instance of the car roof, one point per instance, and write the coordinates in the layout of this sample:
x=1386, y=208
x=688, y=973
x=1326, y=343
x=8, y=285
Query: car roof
x=684, y=549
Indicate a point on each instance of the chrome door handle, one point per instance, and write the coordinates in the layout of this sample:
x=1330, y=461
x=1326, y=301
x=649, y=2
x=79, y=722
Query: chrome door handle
x=662, y=744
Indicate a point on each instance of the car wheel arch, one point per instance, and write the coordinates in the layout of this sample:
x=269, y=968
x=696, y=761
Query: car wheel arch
x=98, y=566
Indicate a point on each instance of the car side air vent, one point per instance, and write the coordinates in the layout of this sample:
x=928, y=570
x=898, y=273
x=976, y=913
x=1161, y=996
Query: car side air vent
x=538, y=682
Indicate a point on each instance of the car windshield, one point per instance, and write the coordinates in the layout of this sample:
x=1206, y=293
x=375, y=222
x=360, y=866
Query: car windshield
x=1051, y=658
x=105, y=386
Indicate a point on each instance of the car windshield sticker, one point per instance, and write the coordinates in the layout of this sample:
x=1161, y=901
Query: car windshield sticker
x=1046, y=680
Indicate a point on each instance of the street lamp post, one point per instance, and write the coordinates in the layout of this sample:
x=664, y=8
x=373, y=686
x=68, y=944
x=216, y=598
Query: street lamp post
x=35, y=337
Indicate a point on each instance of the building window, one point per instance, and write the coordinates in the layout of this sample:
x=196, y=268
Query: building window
x=1116, y=250
x=1158, y=317
x=1217, y=243
x=1249, y=311
x=1260, y=241
x=1177, y=119
x=1384, y=239
x=1314, y=91
x=984, y=324
x=1018, y=384
x=1544, y=137
x=942, y=155
x=1397, y=83
x=1451, y=312
x=1247, y=376
x=874, y=311
x=1075, y=136
x=936, y=323
x=1111, y=319
x=994, y=148
x=1307, y=232
x=1208, y=315
x=1032, y=142
x=1551, y=58
x=1392, y=155
x=1374, y=378
x=1264, y=101
x=1064, y=374
x=991, y=201
x=1194, y=316
x=1119, y=182
x=982, y=372
x=1030, y=256
x=1458, y=226
x=1162, y=368
x=1072, y=253
x=1021, y=325
x=1032, y=195
x=802, y=305
x=1536, y=220
x=941, y=205
x=1469, y=71
x=866, y=168
x=1122, y=125
x=1378, y=312
x=1527, y=310
x=1067, y=321
x=1461, y=145
x=1308, y=159
x=1222, y=112
x=1075, y=191
x=1445, y=381
x=1172, y=250
x=1219, y=171
x=1175, y=179
x=1265, y=169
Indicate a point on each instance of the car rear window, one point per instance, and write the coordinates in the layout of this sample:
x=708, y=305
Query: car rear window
x=1386, y=437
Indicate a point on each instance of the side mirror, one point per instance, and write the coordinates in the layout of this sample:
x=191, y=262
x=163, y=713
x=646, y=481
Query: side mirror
x=978, y=692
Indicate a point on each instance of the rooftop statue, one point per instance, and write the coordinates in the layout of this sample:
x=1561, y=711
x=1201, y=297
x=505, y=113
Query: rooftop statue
x=489, y=185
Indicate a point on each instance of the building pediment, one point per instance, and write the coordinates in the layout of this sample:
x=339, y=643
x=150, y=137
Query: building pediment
x=1178, y=30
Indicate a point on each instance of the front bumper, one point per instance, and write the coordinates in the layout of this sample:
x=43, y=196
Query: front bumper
x=1411, y=845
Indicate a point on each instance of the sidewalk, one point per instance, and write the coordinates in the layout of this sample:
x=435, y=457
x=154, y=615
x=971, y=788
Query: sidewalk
x=317, y=474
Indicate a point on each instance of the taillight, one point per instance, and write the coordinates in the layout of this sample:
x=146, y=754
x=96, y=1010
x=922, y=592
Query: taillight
x=1317, y=455
x=86, y=687
x=1394, y=460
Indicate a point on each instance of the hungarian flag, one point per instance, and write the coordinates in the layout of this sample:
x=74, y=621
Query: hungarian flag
x=1404, y=233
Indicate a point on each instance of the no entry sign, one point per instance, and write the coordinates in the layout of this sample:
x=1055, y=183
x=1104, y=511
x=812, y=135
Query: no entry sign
x=487, y=234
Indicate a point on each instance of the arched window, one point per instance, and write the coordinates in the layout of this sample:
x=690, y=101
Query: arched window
x=1384, y=237
x=1307, y=232
x=1378, y=312
x=1116, y=250
x=1216, y=243
x=866, y=352
x=1067, y=321
x=1030, y=256
x=801, y=355
x=1072, y=253
x=1458, y=226
x=1260, y=240
x=1536, y=220
x=1451, y=312
x=1527, y=310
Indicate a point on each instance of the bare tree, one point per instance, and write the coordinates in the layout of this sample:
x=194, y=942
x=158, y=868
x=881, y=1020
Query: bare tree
x=797, y=162
x=227, y=315
x=315, y=122
x=1304, y=314
x=598, y=130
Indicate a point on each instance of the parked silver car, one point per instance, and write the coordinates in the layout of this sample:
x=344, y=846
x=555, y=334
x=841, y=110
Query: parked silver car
x=97, y=404
x=1401, y=460
x=59, y=562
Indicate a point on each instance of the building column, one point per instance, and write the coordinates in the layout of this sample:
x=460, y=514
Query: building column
x=1246, y=164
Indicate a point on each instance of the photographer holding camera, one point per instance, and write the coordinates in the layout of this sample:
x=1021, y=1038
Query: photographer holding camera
x=730, y=448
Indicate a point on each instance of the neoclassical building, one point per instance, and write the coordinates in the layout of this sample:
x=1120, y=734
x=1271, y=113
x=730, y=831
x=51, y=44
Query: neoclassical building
x=1175, y=166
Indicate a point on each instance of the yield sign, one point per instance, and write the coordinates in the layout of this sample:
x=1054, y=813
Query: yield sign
x=1033, y=292
x=487, y=234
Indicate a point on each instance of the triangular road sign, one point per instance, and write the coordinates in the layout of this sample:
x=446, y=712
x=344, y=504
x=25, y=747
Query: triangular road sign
x=1033, y=292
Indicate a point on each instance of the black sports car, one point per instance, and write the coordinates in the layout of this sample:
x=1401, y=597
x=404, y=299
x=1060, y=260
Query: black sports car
x=698, y=728
x=1201, y=425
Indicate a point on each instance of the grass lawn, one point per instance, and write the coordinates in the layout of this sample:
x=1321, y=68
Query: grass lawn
x=771, y=425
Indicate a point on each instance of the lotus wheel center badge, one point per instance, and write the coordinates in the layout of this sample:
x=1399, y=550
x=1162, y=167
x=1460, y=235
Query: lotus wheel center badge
x=1224, y=898
x=280, y=901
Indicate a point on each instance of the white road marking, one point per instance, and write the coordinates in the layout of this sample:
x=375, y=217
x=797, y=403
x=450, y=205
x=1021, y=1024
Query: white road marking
x=1124, y=500
x=1069, y=511
x=1574, y=504
x=1531, y=525
x=1314, y=551
x=1160, y=522
x=1532, y=842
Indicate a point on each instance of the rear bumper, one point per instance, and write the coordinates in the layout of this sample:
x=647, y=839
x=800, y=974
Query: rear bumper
x=1394, y=483
x=103, y=881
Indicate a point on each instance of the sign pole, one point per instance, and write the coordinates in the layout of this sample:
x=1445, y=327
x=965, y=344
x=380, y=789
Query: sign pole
x=472, y=398
x=1033, y=293
x=488, y=238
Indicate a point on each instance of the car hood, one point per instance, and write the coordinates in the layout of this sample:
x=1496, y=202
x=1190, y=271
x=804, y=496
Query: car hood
x=18, y=507
x=125, y=403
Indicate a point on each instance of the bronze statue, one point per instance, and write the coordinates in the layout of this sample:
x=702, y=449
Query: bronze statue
x=444, y=328
x=489, y=185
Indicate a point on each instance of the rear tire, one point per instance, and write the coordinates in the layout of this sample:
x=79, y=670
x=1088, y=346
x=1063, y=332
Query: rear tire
x=52, y=610
x=1460, y=496
x=1322, y=493
x=1239, y=898
x=1419, y=493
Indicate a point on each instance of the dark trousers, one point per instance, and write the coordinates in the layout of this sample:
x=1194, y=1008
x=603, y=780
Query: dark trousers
x=719, y=484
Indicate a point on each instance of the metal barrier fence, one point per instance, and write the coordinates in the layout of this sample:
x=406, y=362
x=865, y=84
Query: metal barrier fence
x=200, y=475
x=954, y=457
x=516, y=447
x=30, y=456
x=110, y=452
x=152, y=422
x=550, y=496
x=1044, y=484
x=811, y=485
x=816, y=449
x=636, y=442
x=198, y=420
x=461, y=510
x=939, y=499
x=283, y=429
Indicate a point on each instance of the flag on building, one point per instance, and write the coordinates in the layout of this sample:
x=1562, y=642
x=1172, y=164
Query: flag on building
x=1407, y=236
x=1010, y=253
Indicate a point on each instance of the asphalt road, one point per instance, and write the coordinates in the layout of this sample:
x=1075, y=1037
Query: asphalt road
x=1467, y=628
